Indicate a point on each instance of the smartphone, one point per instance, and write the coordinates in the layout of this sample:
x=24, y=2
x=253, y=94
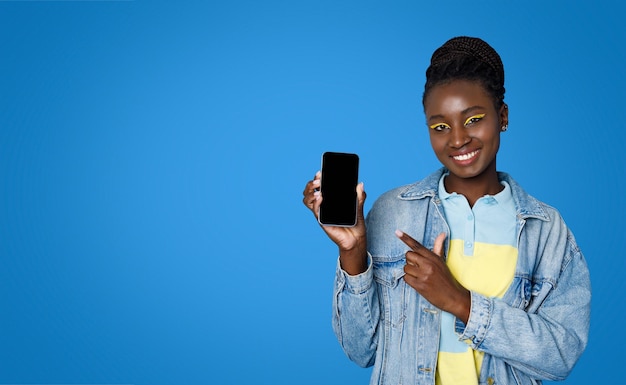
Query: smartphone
x=340, y=174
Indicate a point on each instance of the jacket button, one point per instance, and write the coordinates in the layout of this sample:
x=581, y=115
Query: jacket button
x=490, y=381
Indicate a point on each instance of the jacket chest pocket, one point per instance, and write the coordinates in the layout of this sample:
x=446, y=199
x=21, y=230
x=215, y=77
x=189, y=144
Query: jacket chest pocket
x=393, y=293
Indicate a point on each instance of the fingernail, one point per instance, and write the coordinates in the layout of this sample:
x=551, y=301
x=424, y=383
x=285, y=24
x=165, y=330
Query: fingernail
x=399, y=233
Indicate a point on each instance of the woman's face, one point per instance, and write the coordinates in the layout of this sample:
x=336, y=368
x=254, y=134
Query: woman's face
x=464, y=127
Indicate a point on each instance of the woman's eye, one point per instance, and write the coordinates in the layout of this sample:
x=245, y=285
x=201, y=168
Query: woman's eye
x=474, y=119
x=439, y=127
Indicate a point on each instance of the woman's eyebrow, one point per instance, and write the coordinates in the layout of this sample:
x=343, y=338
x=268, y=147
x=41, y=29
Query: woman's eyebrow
x=465, y=111
x=438, y=117
x=472, y=108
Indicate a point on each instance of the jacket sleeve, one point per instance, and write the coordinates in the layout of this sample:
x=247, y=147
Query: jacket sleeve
x=356, y=315
x=547, y=336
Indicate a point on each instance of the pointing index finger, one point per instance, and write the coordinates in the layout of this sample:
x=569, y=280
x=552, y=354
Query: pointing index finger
x=409, y=241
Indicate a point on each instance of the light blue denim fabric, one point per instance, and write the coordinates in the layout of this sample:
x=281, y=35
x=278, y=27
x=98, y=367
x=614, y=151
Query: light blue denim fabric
x=537, y=331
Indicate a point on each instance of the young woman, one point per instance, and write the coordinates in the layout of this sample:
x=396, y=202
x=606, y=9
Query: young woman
x=461, y=278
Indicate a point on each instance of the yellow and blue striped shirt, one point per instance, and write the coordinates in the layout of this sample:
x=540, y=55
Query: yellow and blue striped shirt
x=482, y=257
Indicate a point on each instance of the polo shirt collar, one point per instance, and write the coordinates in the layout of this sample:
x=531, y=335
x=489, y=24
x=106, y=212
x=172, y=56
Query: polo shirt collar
x=504, y=197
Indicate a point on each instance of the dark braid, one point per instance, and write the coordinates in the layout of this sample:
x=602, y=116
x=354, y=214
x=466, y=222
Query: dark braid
x=467, y=58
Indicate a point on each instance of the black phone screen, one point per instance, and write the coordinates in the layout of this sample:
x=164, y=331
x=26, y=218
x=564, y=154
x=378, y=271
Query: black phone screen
x=340, y=173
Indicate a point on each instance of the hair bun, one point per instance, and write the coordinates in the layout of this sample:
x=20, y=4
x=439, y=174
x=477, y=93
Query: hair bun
x=465, y=46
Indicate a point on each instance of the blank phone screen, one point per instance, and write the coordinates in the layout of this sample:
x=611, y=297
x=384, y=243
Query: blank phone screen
x=340, y=173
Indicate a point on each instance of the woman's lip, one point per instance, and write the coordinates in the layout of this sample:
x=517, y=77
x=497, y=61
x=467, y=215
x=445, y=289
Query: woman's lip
x=465, y=157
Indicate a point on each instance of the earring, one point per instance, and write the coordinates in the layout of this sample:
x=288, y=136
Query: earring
x=505, y=127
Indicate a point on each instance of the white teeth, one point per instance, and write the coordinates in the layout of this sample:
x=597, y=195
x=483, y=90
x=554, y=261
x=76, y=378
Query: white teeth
x=466, y=156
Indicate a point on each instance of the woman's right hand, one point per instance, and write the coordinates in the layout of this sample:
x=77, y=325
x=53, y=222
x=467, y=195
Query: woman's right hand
x=352, y=241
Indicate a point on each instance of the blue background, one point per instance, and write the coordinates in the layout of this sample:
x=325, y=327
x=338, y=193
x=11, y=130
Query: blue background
x=153, y=155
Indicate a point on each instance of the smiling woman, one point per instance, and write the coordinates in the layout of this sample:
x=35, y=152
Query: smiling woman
x=465, y=131
x=462, y=278
x=152, y=155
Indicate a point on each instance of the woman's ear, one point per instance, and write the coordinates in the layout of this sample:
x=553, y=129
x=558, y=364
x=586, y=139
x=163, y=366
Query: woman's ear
x=504, y=116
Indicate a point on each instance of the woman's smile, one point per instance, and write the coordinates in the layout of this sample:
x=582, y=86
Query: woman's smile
x=465, y=158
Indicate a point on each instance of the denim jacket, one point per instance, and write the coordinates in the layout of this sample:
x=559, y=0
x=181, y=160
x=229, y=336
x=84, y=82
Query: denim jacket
x=536, y=331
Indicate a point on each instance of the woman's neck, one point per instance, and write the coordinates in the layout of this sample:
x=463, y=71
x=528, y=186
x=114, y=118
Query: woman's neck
x=476, y=187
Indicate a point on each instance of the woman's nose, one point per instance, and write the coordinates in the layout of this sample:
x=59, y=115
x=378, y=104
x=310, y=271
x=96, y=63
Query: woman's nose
x=459, y=137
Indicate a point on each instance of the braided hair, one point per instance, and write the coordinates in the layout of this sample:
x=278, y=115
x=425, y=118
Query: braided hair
x=467, y=58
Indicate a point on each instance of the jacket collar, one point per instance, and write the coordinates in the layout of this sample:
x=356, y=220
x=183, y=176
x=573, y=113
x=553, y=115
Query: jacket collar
x=527, y=206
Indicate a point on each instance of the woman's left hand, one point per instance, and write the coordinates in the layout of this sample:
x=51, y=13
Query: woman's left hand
x=427, y=272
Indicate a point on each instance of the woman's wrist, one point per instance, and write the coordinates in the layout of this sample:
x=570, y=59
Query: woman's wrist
x=354, y=260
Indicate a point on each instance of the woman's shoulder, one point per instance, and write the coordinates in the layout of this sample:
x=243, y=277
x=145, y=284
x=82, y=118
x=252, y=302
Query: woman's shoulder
x=527, y=205
x=423, y=188
x=405, y=200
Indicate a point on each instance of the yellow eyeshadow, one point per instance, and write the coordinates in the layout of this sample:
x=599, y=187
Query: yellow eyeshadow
x=479, y=116
x=433, y=126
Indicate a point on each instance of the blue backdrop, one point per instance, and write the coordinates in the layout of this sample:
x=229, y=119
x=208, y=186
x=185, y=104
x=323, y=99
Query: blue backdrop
x=153, y=155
